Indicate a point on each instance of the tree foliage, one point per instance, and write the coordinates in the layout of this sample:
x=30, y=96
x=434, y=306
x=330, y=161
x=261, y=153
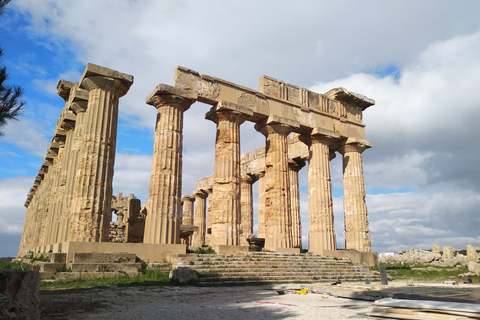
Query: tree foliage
x=10, y=102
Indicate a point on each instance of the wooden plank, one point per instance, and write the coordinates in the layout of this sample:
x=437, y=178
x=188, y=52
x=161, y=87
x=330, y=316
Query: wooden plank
x=431, y=305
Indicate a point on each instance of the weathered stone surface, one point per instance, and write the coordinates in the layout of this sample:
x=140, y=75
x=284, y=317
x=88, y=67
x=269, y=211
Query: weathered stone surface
x=448, y=253
x=91, y=214
x=320, y=203
x=121, y=257
x=277, y=191
x=19, y=294
x=163, y=220
x=184, y=275
x=357, y=236
x=246, y=206
x=198, y=238
x=225, y=198
x=294, y=166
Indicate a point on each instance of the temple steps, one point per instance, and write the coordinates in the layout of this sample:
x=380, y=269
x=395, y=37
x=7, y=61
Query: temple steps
x=273, y=267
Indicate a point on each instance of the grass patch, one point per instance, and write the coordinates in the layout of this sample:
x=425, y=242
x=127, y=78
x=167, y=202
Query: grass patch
x=207, y=250
x=151, y=277
x=425, y=272
x=8, y=265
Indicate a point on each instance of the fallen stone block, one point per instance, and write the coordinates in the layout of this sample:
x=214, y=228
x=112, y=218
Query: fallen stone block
x=19, y=294
x=183, y=275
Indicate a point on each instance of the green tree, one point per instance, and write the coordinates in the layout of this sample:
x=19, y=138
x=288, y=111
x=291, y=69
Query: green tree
x=10, y=103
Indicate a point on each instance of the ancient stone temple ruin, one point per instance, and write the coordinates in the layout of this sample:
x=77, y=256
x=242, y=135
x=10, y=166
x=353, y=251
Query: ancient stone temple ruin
x=70, y=206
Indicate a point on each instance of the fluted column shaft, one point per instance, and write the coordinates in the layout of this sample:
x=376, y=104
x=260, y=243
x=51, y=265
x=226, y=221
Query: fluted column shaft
x=277, y=191
x=163, y=221
x=246, y=208
x=198, y=238
x=226, y=179
x=93, y=181
x=187, y=217
x=357, y=236
x=208, y=235
x=56, y=195
x=294, y=167
x=261, y=205
x=320, y=203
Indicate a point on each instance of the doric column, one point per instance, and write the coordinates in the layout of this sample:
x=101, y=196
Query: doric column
x=163, y=220
x=93, y=182
x=294, y=166
x=277, y=190
x=320, y=203
x=77, y=104
x=187, y=202
x=226, y=177
x=261, y=205
x=208, y=230
x=187, y=216
x=198, y=238
x=246, y=208
x=357, y=236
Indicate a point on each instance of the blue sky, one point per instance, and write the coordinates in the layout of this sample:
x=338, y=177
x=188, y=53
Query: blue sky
x=418, y=59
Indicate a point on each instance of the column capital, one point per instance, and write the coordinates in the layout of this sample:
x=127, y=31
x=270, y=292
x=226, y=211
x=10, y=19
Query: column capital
x=353, y=145
x=200, y=193
x=320, y=135
x=296, y=164
x=64, y=88
x=275, y=124
x=217, y=115
x=95, y=76
x=167, y=95
x=247, y=178
x=187, y=197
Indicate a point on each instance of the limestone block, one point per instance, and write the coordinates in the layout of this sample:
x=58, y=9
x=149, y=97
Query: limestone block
x=472, y=253
x=106, y=267
x=183, y=275
x=103, y=257
x=19, y=294
x=473, y=266
x=448, y=253
x=436, y=248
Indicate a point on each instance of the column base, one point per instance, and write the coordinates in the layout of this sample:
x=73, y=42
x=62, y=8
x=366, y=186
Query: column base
x=320, y=241
x=163, y=231
x=358, y=240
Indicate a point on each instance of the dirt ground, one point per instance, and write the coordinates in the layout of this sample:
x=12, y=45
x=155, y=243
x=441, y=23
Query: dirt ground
x=240, y=302
x=186, y=302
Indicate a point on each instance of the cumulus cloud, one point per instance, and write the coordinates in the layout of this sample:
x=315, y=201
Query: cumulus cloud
x=423, y=125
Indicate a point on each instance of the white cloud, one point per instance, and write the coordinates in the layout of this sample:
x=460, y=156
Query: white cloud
x=13, y=192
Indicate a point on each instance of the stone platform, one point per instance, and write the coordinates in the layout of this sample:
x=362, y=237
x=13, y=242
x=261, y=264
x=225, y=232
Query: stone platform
x=272, y=267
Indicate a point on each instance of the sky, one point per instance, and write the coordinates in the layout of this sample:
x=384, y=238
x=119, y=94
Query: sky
x=419, y=60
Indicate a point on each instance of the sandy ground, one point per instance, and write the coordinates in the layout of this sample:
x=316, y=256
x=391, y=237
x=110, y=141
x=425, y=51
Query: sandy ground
x=185, y=302
x=225, y=303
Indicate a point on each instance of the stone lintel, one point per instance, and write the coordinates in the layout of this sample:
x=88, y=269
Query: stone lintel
x=164, y=89
x=205, y=183
x=64, y=87
x=92, y=70
x=274, y=119
x=342, y=94
x=225, y=105
x=324, y=132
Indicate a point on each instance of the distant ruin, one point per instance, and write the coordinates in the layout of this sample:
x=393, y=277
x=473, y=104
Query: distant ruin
x=69, y=207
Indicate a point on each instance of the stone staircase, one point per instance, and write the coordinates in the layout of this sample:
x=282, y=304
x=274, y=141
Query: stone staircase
x=272, y=267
